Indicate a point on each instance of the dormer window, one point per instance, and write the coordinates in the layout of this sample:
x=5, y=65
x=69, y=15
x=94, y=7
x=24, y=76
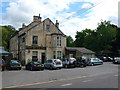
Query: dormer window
x=35, y=40
x=48, y=28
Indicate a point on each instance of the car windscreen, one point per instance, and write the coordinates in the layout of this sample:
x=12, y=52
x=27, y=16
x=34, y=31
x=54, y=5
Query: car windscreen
x=57, y=61
x=72, y=59
x=0, y=61
x=94, y=59
x=49, y=61
x=14, y=62
x=36, y=63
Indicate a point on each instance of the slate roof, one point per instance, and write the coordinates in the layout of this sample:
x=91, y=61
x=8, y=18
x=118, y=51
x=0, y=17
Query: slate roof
x=80, y=49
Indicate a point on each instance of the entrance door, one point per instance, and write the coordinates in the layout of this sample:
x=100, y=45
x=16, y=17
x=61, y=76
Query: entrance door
x=43, y=58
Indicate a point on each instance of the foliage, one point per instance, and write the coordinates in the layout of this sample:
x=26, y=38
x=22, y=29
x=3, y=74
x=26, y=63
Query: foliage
x=70, y=41
x=101, y=40
x=7, y=32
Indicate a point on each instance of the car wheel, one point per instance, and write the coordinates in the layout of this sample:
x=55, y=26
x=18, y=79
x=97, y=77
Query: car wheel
x=41, y=69
x=60, y=68
x=31, y=69
x=82, y=66
x=3, y=68
x=92, y=64
x=51, y=67
x=66, y=66
x=19, y=68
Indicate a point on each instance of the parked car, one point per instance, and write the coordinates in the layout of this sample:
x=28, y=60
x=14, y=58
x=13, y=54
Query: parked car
x=2, y=65
x=106, y=59
x=13, y=64
x=81, y=62
x=95, y=61
x=116, y=60
x=69, y=62
x=53, y=64
x=34, y=65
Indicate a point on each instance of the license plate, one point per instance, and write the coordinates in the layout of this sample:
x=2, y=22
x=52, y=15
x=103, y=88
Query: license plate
x=39, y=65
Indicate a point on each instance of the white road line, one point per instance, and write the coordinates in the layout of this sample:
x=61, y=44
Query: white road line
x=116, y=75
x=66, y=84
x=87, y=80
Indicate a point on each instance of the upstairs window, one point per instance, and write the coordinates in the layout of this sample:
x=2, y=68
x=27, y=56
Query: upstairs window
x=35, y=40
x=59, y=41
x=23, y=39
x=54, y=41
x=48, y=28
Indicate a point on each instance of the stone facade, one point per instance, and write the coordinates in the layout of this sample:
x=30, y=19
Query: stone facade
x=40, y=40
x=78, y=52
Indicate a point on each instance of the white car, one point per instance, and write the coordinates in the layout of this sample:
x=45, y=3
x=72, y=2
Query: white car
x=53, y=64
x=95, y=61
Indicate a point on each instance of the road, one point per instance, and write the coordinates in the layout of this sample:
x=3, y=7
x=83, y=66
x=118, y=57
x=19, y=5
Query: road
x=100, y=76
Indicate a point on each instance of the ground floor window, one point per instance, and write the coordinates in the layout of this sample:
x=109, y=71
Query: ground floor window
x=35, y=55
x=54, y=54
x=71, y=55
x=59, y=54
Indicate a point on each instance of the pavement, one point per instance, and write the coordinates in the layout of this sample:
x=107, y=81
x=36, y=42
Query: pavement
x=100, y=76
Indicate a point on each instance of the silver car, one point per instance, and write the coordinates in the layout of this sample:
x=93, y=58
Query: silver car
x=95, y=61
x=116, y=60
x=53, y=64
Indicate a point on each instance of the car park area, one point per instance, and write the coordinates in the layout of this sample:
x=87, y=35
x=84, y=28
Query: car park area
x=90, y=77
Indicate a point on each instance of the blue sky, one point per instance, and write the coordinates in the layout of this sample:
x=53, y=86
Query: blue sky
x=72, y=14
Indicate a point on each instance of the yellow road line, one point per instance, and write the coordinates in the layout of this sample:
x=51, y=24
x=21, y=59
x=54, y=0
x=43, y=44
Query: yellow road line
x=79, y=77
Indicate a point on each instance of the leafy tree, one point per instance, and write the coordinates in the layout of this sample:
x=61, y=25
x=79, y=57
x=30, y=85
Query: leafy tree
x=7, y=32
x=70, y=41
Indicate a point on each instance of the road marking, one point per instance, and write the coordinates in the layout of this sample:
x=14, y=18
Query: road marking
x=65, y=79
x=66, y=84
x=87, y=80
x=116, y=75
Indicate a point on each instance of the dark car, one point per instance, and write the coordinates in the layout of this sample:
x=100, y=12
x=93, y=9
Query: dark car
x=13, y=64
x=2, y=65
x=69, y=62
x=34, y=65
x=116, y=60
x=81, y=62
x=106, y=59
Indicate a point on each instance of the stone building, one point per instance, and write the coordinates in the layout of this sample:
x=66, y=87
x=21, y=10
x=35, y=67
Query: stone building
x=78, y=52
x=40, y=40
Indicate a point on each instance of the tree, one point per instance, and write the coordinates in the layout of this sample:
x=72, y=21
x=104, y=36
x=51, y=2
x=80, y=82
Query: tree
x=70, y=41
x=7, y=32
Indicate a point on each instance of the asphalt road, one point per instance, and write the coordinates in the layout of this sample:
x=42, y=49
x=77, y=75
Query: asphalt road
x=100, y=76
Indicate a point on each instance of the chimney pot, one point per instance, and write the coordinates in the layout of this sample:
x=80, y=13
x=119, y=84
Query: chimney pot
x=57, y=23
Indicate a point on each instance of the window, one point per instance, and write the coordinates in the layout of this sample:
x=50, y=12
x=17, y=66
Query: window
x=54, y=41
x=35, y=55
x=47, y=28
x=59, y=54
x=59, y=41
x=54, y=55
x=23, y=39
x=71, y=55
x=35, y=40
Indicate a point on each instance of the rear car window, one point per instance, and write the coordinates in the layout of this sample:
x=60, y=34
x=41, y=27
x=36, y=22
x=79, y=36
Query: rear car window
x=49, y=61
x=56, y=60
x=15, y=62
x=36, y=62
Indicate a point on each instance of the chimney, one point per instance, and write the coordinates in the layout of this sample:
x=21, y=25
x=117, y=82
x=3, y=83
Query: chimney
x=57, y=23
x=23, y=25
x=37, y=18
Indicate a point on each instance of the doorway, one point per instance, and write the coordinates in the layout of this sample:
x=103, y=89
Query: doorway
x=43, y=57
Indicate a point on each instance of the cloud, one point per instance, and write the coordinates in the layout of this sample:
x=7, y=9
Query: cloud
x=87, y=5
x=22, y=11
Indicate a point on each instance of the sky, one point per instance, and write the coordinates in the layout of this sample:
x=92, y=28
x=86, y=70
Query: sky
x=72, y=15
